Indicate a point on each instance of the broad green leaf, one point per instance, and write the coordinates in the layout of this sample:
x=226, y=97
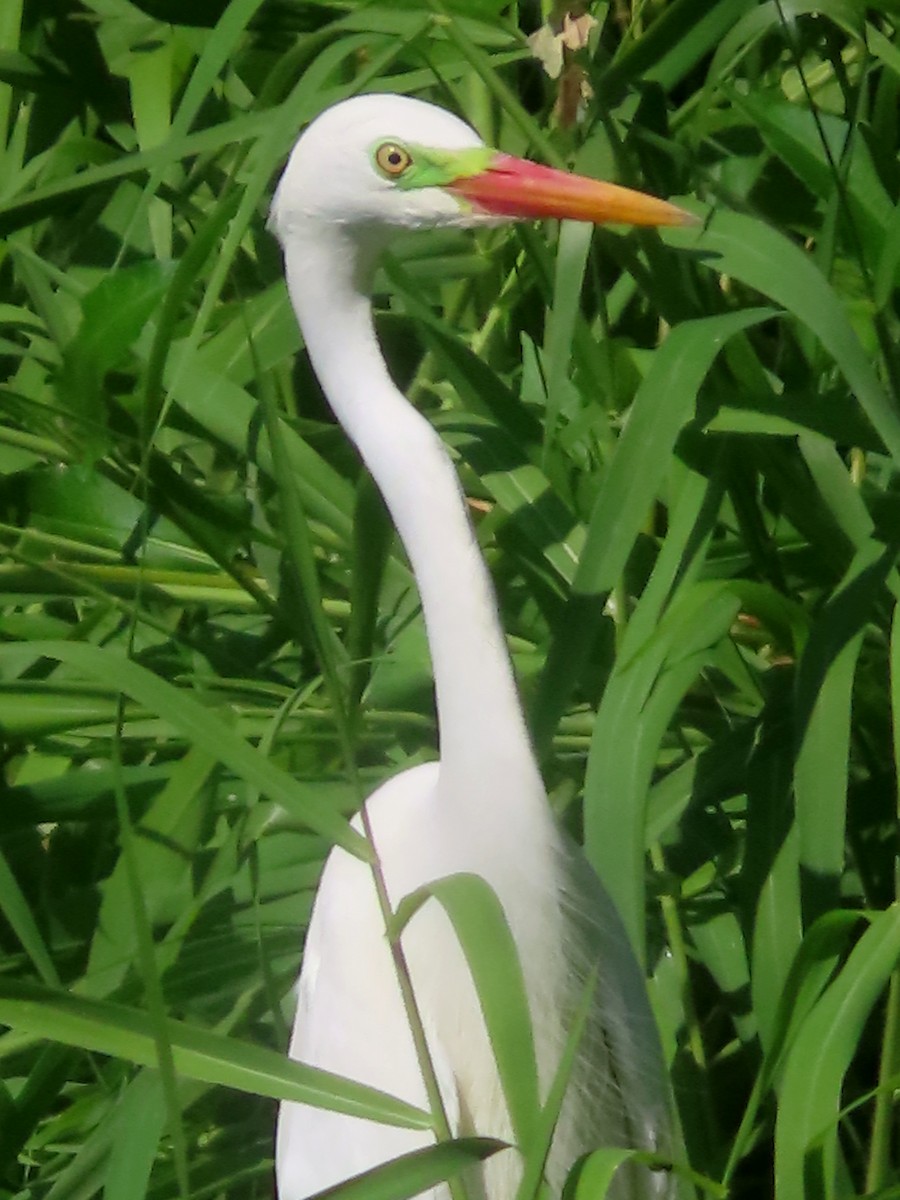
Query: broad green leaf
x=768, y=261
x=821, y=779
x=680, y=37
x=637, y=706
x=115, y=314
x=813, y=967
x=140, y=1118
x=17, y=912
x=596, y=1173
x=202, y=727
x=809, y=1099
x=664, y=404
x=167, y=842
x=18, y=211
x=480, y=925
x=572, y=254
x=228, y=413
x=410, y=1175
x=810, y=144
x=197, y=1053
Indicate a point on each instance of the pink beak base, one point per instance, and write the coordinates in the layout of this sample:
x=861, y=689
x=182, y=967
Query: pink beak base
x=515, y=187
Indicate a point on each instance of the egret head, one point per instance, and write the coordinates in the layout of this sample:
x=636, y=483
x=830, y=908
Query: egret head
x=389, y=160
x=378, y=160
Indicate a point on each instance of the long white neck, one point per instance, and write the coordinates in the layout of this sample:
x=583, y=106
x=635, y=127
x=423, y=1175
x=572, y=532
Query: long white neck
x=479, y=714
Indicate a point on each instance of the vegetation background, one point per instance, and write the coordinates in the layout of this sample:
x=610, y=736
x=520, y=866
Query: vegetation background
x=681, y=452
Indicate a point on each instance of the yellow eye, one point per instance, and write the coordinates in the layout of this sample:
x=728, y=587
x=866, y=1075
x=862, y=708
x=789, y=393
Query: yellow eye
x=392, y=159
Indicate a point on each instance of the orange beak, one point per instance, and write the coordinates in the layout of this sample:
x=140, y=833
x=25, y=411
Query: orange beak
x=514, y=187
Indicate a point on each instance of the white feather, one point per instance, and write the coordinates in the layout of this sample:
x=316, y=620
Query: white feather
x=483, y=810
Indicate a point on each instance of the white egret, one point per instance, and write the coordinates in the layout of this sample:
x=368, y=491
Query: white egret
x=363, y=169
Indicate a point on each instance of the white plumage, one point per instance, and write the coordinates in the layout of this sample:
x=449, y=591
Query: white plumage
x=483, y=809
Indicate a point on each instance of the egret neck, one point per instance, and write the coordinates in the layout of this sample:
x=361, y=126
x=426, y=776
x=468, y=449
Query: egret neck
x=328, y=269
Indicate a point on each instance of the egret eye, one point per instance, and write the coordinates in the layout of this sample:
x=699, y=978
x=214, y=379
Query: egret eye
x=392, y=159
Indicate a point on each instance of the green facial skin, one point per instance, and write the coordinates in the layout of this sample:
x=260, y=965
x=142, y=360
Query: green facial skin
x=434, y=168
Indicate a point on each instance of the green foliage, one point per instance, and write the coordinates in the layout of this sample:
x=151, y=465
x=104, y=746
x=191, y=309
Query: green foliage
x=681, y=452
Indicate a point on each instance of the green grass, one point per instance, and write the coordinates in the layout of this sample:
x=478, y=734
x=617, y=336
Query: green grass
x=682, y=455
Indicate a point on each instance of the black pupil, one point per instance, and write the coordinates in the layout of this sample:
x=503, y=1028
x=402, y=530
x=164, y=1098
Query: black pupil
x=395, y=158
